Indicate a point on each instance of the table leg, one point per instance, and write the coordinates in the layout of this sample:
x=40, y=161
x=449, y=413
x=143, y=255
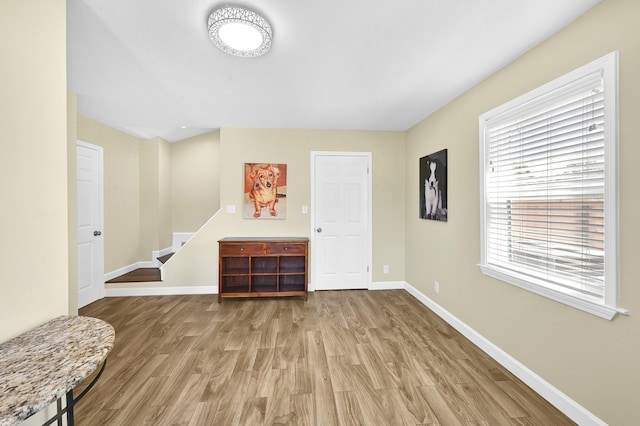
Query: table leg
x=70, y=403
x=59, y=416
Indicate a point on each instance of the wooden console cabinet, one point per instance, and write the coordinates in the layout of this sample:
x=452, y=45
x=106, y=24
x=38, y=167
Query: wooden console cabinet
x=262, y=267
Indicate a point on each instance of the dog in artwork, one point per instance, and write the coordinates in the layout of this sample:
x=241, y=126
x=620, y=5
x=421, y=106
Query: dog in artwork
x=434, y=189
x=264, y=188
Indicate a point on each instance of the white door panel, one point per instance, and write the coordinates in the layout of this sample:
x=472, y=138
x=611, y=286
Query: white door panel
x=90, y=240
x=341, y=208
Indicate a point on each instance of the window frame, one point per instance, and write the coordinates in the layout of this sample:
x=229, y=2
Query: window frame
x=607, y=306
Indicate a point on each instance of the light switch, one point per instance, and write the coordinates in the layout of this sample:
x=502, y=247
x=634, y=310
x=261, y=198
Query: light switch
x=305, y=209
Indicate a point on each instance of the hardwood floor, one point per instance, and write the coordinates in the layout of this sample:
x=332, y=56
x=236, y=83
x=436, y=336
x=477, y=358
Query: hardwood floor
x=349, y=358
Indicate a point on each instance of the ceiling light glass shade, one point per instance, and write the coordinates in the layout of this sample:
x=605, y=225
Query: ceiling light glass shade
x=239, y=31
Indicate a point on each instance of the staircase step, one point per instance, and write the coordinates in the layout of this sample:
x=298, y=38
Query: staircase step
x=142, y=274
x=138, y=275
x=163, y=259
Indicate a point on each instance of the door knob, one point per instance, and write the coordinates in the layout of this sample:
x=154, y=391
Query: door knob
x=97, y=233
x=319, y=230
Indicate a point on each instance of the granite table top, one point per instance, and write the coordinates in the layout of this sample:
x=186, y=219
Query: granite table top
x=43, y=364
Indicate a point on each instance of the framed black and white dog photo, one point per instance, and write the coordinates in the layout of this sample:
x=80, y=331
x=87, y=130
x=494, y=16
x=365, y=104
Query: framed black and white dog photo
x=433, y=186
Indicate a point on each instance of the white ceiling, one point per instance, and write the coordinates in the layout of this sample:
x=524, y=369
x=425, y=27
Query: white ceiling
x=147, y=67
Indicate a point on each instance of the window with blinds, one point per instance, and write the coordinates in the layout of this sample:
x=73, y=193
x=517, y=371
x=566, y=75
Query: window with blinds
x=547, y=210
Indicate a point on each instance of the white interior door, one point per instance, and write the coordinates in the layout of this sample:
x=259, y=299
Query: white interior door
x=341, y=209
x=90, y=223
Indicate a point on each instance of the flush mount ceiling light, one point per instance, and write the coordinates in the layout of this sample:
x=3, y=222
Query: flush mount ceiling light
x=239, y=31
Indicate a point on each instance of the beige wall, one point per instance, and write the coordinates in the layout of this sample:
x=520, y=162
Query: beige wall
x=164, y=195
x=197, y=265
x=149, y=196
x=195, y=181
x=121, y=191
x=33, y=165
x=592, y=360
x=154, y=193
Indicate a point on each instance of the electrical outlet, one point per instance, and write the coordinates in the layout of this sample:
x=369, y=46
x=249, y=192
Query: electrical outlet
x=436, y=286
x=231, y=208
x=385, y=269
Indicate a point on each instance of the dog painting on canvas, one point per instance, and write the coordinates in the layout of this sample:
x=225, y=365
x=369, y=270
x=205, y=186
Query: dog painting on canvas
x=265, y=189
x=433, y=186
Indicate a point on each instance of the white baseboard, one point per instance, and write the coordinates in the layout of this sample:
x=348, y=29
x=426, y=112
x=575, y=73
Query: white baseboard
x=557, y=398
x=160, y=291
x=387, y=285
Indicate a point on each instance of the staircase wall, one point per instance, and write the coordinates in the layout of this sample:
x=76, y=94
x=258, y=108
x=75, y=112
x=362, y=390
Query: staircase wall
x=195, y=181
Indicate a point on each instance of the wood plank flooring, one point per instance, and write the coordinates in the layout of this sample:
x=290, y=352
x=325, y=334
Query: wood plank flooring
x=340, y=358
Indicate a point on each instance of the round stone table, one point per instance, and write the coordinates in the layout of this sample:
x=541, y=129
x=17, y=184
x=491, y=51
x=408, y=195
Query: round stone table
x=39, y=367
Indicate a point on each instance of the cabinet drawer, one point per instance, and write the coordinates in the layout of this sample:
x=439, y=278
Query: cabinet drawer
x=241, y=249
x=286, y=248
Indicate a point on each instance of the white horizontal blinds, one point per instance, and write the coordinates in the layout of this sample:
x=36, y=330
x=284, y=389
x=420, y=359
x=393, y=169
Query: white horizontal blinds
x=545, y=188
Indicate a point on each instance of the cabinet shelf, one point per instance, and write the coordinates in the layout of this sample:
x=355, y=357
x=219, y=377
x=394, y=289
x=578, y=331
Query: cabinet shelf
x=267, y=267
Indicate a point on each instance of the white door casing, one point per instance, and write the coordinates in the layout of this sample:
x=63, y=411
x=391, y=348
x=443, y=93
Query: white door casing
x=89, y=163
x=341, y=220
